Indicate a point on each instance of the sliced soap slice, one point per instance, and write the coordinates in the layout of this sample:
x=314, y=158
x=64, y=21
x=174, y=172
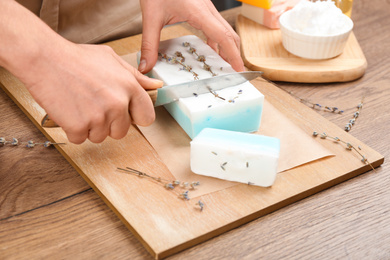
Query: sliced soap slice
x=268, y=17
x=241, y=106
x=235, y=156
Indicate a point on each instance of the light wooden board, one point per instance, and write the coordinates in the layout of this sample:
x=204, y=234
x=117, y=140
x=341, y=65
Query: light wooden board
x=262, y=50
x=166, y=224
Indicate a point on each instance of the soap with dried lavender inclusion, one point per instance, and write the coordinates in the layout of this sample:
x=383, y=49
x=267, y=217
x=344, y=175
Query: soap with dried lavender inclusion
x=242, y=157
x=241, y=108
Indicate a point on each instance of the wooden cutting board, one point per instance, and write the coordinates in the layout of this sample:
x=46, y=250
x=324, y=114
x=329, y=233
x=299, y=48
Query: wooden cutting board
x=166, y=224
x=262, y=50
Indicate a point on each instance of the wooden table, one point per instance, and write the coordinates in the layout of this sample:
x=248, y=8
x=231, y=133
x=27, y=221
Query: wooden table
x=48, y=211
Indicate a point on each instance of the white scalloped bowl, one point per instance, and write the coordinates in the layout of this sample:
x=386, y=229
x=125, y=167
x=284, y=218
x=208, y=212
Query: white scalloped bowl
x=313, y=46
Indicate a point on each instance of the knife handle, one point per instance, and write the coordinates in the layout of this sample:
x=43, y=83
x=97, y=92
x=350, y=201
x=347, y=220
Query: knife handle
x=152, y=94
x=48, y=123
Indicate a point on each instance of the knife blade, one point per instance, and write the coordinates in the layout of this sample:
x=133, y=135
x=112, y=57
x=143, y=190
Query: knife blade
x=172, y=93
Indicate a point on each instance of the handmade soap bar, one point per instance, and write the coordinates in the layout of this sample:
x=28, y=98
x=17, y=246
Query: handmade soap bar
x=236, y=108
x=235, y=156
x=266, y=4
x=268, y=17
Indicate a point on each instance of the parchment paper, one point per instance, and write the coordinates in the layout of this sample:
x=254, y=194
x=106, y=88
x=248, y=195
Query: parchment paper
x=173, y=144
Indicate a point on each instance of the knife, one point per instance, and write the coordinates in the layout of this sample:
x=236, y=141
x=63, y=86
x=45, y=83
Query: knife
x=172, y=93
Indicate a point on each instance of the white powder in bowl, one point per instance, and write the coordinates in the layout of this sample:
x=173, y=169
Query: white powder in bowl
x=318, y=18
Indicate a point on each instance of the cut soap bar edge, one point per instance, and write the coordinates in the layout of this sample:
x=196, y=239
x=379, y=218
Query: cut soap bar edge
x=235, y=156
x=236, y=108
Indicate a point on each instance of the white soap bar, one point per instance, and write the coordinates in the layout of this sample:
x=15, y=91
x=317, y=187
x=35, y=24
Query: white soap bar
x=235, y=156
x=242, y=105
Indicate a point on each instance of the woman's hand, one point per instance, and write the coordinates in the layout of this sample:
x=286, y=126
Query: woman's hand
x=91, y=92
x=200, y=14
x=88, y=90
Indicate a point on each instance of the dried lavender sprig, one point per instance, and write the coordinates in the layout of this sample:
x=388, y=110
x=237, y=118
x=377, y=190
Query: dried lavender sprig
x=215, y=93
x=169, y=185
x=200, y=58
x=179, y=60
x=348, y=146
x=200, y=204
x=351, y=122
x=28, y=144
x=232, y=100
x=317, y=106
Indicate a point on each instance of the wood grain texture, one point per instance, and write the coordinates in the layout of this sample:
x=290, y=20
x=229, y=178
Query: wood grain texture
x=101, y=231
x=155, y=214
x=262, y=50
x=347, y=221
x=30, y=178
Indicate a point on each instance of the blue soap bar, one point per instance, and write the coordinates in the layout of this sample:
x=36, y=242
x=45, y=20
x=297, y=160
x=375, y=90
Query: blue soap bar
x=236, y=108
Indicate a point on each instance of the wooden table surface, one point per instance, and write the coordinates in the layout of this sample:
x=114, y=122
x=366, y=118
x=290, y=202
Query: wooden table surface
x=47, y=211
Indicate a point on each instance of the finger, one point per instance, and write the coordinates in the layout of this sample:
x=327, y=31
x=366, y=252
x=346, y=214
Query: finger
x=145, y=81
x=222, y=54
x=217, y=15
x=99, y=128
x=213, y=45
x=140, y=101
x=98, y=135
x=120, y=127
x=151, y=28
x=76, y=135
x=224, y=36
x=227, y=45
x=148, y=83
x=141, y=108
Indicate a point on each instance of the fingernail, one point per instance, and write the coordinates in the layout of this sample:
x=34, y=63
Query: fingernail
x=159, y=83
x=142, y=66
